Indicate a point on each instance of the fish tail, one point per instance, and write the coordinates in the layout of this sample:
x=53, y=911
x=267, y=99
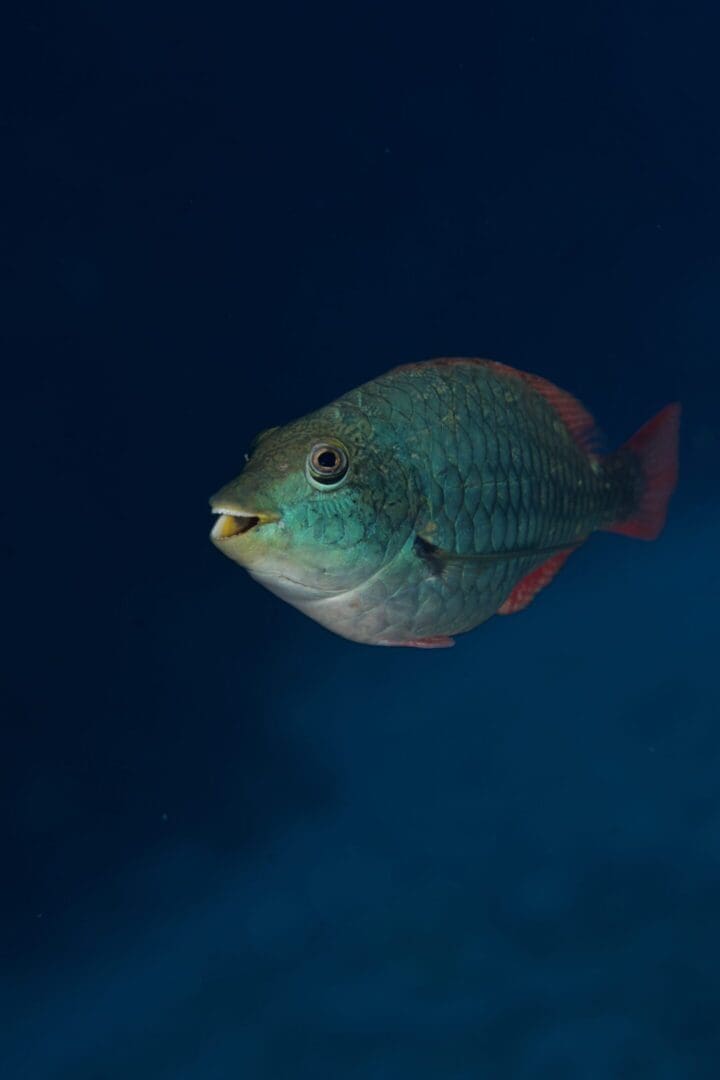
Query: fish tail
x=646, y=469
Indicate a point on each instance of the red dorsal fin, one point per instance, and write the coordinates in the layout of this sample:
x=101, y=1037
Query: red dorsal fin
x=574, y=416
x=528, y=587
x=656, y=447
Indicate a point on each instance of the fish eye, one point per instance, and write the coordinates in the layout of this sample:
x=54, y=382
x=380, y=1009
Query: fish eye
x=327, y=464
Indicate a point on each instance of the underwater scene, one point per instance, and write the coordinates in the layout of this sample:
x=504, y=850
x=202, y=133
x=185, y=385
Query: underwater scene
x=413, y=314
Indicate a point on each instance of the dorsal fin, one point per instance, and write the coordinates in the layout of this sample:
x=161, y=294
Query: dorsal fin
x=573, y=414
x=528, y=587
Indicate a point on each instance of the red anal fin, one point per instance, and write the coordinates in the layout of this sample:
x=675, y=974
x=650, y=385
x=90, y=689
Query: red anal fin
x=528, y=587
x=437, y=642
x=656, y=447
x=573, y=414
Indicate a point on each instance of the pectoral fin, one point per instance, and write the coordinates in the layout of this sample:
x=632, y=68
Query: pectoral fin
x=438, y=560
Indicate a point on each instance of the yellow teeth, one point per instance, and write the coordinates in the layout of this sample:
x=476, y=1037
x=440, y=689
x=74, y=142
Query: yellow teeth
x=229, y=525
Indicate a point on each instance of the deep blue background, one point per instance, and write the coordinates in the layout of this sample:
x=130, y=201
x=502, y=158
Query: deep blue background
x=236, y=845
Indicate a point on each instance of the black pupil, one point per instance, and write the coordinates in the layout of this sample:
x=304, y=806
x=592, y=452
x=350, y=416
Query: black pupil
x=328, y=459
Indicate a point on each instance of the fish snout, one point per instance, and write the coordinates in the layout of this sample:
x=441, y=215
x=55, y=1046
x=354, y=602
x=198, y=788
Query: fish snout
x=236, y=517
x=234, y=523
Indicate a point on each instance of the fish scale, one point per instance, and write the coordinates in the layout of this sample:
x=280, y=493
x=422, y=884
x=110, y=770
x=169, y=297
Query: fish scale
x=533, y=495
x=465, y=485
x=522, y=420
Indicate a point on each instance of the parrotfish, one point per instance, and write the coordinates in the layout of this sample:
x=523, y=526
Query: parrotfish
x=418, y=505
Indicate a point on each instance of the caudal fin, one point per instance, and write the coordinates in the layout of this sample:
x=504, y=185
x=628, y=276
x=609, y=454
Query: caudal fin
x=655, y=446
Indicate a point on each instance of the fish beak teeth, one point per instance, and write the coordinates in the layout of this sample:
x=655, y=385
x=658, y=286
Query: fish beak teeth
x=231, y=523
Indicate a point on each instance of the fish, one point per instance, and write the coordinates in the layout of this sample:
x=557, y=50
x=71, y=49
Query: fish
x=420, y=504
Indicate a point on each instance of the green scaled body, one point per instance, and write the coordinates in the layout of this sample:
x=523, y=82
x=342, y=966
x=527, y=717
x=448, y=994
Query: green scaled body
x=466, y=484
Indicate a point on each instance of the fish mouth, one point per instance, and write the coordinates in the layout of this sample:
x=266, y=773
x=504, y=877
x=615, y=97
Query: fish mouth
x=232, y=523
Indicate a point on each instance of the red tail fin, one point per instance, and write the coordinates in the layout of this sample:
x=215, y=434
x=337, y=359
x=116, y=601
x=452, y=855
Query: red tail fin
x=656, y=447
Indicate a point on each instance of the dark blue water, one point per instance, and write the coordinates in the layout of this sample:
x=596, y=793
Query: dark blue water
x=237, y=846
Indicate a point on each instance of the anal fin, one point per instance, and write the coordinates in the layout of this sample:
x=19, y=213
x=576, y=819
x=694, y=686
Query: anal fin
x=528, y=587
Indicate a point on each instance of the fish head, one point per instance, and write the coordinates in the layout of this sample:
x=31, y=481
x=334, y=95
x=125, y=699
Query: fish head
x=322, y=505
